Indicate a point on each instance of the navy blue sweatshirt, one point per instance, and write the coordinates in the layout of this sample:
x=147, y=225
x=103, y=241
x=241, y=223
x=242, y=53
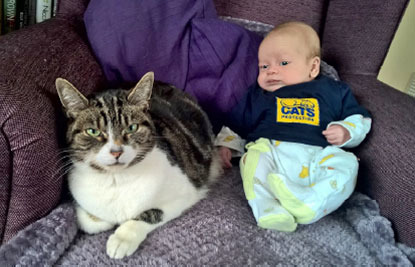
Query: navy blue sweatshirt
x=295, y=113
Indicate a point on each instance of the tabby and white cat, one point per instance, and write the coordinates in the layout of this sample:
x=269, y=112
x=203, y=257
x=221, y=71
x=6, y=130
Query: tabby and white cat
x=140, y=158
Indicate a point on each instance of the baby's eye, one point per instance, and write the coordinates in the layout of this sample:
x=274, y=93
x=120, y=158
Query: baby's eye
x=283, y=63
x=263, y=67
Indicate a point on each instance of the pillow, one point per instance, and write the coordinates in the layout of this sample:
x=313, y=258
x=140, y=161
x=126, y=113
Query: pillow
x=132, y=37
x=182, y=41
x=223, y=63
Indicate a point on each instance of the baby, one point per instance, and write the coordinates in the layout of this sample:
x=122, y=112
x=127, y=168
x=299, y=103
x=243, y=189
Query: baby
x=296, y=121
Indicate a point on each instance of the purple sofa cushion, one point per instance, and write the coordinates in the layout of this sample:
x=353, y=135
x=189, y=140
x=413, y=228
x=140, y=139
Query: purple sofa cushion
x=384, y=172
x=357, y=34
x=32, y=166
x=182, y=41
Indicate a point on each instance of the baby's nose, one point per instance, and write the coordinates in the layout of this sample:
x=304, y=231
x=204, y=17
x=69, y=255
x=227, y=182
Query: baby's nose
x=272, y=70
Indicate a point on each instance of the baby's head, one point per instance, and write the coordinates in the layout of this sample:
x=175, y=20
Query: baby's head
x=289, y=54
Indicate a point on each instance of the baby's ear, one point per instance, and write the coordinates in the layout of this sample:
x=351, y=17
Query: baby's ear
x=315, y=67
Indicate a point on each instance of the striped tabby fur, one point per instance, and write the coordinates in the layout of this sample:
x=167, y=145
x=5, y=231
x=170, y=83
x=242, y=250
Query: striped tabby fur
x=140, y=158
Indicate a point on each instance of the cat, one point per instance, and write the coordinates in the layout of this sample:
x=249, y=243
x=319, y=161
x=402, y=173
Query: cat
x=139, y=158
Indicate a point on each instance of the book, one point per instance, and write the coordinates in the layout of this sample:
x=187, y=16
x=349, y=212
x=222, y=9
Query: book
x=55, y=7
x=9, y=16
x=20, y=14
x=398, y=68
x=1, y=17
x=31, y=14
x=43, y=10
x=17, y=14
x=27, y=11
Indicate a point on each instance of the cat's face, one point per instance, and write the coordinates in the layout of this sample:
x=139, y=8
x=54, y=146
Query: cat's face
x=112, y=130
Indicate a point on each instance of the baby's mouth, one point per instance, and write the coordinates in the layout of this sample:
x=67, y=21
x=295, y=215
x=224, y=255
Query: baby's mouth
x=273, y=82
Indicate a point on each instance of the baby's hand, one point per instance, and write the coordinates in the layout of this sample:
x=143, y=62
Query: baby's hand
x=226, y=155
x=336, y=135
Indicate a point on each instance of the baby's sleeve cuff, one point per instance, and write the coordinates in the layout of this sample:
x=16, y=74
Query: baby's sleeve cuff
x=358, y=127
x=228, y=138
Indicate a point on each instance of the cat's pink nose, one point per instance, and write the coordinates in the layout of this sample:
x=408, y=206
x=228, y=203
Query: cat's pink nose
x=116, y=154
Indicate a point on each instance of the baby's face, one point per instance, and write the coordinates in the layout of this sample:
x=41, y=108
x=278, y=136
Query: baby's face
x=283, y=61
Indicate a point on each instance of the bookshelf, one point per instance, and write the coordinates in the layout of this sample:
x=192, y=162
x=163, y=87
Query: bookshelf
x=18, y=14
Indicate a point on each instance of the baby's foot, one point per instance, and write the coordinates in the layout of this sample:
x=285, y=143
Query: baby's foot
x=286, y=194
x=283, y=221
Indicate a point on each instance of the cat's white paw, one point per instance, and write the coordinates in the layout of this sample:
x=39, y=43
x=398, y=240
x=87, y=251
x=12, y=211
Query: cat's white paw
x=125, y=240
x=89, y=223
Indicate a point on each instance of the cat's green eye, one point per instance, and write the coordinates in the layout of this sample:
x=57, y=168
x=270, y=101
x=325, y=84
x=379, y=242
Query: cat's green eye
x=93, y=132
x=132, y=128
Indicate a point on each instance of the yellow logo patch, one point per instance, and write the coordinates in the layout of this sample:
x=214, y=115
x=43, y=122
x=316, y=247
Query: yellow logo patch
x=228, y=138
x=298, y=110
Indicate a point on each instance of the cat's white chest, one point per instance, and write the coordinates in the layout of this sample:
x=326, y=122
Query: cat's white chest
x=117, y=197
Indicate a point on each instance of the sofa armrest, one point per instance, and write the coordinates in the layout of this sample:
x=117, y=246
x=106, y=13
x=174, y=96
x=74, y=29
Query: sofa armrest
x=31, y=122
x=387, y=155
x=5, y=175
x=357, y=34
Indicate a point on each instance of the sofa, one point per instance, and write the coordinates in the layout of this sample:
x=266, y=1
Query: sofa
x=355, y=38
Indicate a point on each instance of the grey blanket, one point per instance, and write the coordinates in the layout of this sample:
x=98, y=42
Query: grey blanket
x=220, y=230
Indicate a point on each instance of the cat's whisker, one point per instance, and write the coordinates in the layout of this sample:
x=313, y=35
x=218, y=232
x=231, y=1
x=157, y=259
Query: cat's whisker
x=67, y=163
x=64, y=173
x=65, y=151
x=64, y=169
x=65, y=158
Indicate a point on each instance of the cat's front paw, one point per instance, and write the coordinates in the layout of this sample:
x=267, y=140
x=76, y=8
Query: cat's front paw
x=89, y=223
x=125, y=240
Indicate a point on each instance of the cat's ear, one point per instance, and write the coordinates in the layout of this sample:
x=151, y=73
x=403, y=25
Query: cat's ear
x=141, y=93
x=72, y=100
